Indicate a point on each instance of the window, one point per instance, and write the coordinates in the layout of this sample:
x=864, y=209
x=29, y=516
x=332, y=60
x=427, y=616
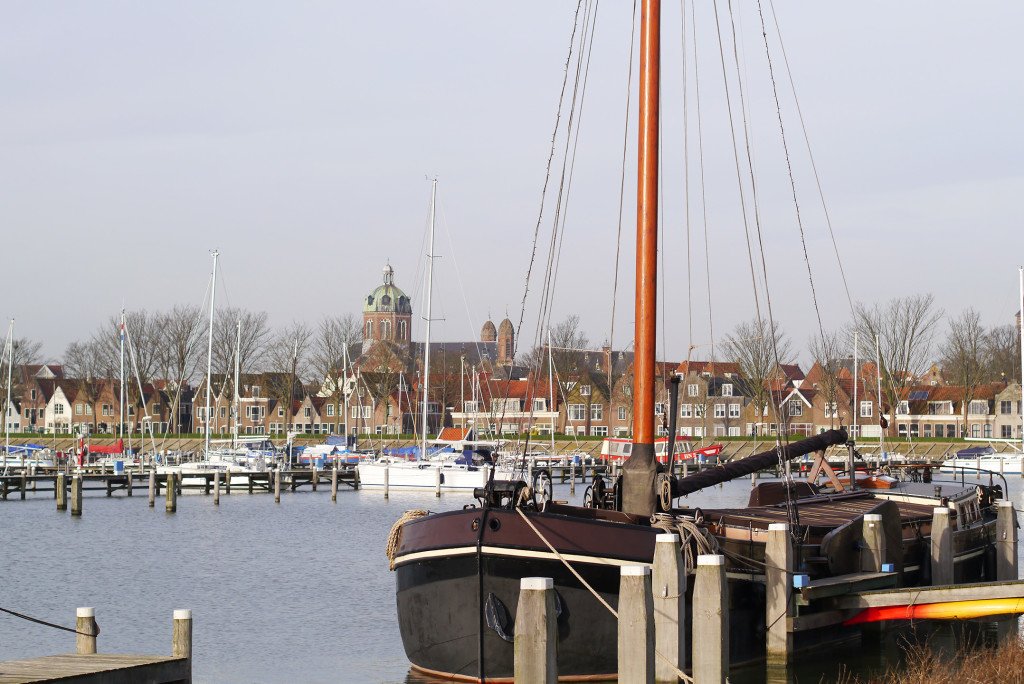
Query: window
x=385, y=329
x=927, y=429
x=831, y=409
x=223, y=412
x=131, y=411
x=975, y=430
x=622, y=413
x=734, y=412
x=659, y=409
x=369, y=330
x=727, y=390
x=699, y=410
x=719, y=410
x=255, y=391
x=597, y=412
x=88, y=409
x=662, y=430
x=156, y=409
x=577, y=411
x=471, y=406
x=33, y=395
x=685, y=410
x=1005, y=432
x=938, y=430
x=306, y=412
x=584, y=390
x=360, y=411
x=950, y=430
x=402, y=330
x=796, y=407
x=540, y=405
x=903, y=409
x=988, y=431
x=58, y=409
x=978, y=407
x=866, y=409
x=1005, y=407
x=330, y=410
x=599, y=431
x=78, y=409
x=280, y=412
x=734, y=431
x=692, y=390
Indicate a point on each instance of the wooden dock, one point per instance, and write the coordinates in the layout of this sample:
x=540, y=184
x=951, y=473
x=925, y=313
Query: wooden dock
x=105, y=668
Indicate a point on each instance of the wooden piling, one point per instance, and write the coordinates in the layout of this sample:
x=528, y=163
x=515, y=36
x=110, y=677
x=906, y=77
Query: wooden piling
x=636, y=625
x=387, y=479
x=315, y=475
x=536, y=632
x=24, y=484
x=572, y=477
x=181, y=639
x=130, y=486
x=437, y=482
x=61, y=488
x=711, y=621
x=778, y=593
x=1006, y=541
x=872, y=551
x=334, y=483
x=76, y=495
x=277, y=486
x=85, y=626
x=152, y=488
x=216, y=488
x=227, y=483
x=171, y=504
x=668, y=579
x=941, y=547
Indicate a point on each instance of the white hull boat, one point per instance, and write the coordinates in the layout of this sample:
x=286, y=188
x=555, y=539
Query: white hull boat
x=422, y=475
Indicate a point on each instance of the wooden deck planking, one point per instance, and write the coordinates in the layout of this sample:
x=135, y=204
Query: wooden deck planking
x=109, y=668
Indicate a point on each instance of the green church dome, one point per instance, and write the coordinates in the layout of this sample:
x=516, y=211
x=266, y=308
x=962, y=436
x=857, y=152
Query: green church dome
x=387, y=298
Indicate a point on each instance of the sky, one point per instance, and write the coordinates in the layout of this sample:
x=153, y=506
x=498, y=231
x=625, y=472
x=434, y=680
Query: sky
x=297, y=138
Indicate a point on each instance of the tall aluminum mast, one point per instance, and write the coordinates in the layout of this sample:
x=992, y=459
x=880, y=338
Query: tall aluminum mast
x=209, y=352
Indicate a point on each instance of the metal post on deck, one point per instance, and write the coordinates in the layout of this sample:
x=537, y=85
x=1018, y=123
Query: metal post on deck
x=872, y=554
x=536, y=635
x=636, y=625
x=85, y=626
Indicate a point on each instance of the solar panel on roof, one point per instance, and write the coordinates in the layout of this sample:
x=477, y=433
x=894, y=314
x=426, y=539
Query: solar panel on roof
x=918, y=395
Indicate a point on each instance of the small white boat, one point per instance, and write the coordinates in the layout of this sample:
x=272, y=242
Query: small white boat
x=976, y=459
x=423, y=475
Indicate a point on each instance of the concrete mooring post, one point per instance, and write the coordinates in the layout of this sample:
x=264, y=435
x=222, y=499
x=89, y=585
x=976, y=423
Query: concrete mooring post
x=85, y=626
x=76, y=495
x=334, y=483
x=872, y=550
x=152, y=488
x=1006, y=541
x=61, y=487
x=181, y=638
x=636, y=625
x=536, y=638
x=778, y=592
x=171, y=503
x=711, y=621
x=216, y=488
x=941, y=547
x=668, y=579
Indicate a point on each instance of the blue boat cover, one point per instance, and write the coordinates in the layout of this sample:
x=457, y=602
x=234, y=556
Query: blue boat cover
x=974, y=452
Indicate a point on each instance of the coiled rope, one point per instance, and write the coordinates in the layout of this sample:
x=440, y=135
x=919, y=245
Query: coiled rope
x=689, y=531
x=395, y=535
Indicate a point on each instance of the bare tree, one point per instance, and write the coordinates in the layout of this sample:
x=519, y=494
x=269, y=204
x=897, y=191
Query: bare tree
x=256, y=334
x=962, y=355
x=289, y=357
x=183, y=329
x=143, y=346
x=84, y=360
x=23, y=352
x=905, y=329
x=758, y=349
x=1002, y=353
x=827, y=349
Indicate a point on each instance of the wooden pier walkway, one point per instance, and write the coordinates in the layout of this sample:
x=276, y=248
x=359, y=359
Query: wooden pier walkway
x=105, y=668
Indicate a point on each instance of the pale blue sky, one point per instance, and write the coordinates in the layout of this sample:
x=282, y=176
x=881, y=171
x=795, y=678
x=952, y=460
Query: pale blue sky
x=295, y=137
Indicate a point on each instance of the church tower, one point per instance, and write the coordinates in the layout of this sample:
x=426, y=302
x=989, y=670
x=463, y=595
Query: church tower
x=387, y=314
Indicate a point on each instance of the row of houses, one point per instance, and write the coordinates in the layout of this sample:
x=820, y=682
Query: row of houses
x=594, y=400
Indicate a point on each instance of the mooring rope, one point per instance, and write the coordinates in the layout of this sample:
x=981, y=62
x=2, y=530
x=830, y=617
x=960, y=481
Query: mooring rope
x=49, y=624
x=395, y=535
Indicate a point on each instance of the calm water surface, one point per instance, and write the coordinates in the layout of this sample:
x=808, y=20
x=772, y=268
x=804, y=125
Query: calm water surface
x=298, y=591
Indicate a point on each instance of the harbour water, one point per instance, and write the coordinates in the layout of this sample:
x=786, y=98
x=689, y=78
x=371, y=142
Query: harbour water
x=298, y=591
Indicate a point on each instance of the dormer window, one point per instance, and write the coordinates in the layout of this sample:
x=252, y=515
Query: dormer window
x=369, y=300
x=727, y=390
x=255, y=391
x=385, y=300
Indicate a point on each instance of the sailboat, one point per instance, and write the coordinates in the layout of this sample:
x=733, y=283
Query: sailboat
x=438, y=465
x=457, y=573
